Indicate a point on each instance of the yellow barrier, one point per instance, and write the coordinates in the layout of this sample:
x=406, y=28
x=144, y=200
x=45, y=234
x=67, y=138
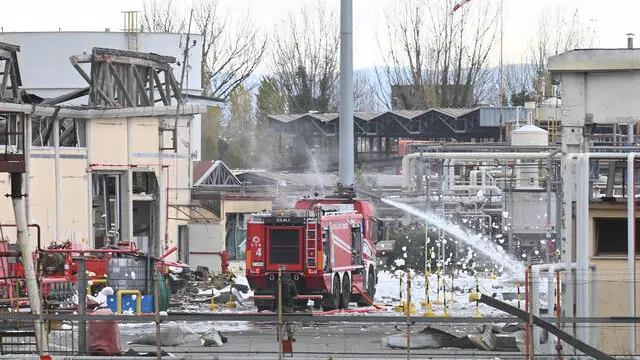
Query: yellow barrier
x=445, y=313
x=427, y=303
x=438, y=301
x=130, y=292
x=401, y=306
x=229, y=304
x=476, y=297
x=93, y=282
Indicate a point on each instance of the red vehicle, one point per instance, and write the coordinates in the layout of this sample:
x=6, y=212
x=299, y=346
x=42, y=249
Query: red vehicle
x=57, y=271
x=324, y=247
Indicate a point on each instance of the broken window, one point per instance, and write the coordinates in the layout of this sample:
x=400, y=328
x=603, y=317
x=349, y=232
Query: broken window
x=611, y=236
x=183, y=243
x=11, y=131
x=356, y=246
x=236, y=227
x=144, y=183
x=144, y=204
x=72, y=132
x=107, y=208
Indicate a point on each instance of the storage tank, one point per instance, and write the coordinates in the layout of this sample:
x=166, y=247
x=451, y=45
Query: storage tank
x=127, y=273
x=528, y=172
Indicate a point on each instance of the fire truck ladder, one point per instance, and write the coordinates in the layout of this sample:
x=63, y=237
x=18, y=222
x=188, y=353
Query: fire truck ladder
x=312, y=242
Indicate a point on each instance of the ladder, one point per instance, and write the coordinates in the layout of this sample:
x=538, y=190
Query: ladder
x=311, y=242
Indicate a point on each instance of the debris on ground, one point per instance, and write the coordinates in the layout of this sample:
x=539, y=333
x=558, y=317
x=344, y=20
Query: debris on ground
x=197, y=294
x=132, y=352
x=213, y=338
x=170, y=335
x=432, y=338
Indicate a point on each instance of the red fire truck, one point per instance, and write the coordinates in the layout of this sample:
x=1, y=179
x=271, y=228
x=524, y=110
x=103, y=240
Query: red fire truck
x=324, y=247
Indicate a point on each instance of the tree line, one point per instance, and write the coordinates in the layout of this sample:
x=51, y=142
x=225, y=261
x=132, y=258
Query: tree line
x=431, y=58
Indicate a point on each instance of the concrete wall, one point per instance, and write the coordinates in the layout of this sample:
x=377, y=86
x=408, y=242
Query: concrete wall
x=42, y=195
x=599, y=82
x=613, y=288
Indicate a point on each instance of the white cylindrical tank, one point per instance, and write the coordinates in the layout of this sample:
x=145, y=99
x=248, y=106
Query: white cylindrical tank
x=529, y=135
x=528, y=172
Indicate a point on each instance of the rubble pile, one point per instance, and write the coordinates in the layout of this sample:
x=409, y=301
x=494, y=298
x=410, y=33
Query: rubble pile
x=205, y=288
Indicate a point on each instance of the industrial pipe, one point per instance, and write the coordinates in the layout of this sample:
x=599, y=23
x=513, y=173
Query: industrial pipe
x=345, y=143
x=567, y=194
x=24, y=242
x=583, y=230
x=57, y=177
x=557, y=268
x=631, y=246
x=583, y=244
x=407, y=161
x=488, y=188
x=169, y=252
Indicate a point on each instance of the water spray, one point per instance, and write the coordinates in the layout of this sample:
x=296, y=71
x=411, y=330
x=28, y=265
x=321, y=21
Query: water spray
x=479, y=243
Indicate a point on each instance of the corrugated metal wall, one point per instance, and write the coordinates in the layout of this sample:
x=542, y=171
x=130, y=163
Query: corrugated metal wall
x=490, y=116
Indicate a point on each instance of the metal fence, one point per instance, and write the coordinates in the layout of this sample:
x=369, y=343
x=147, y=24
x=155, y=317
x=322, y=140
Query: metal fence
x=255, y=336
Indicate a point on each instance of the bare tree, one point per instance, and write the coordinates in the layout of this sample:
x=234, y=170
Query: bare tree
x=305, y=60
x=558, y=30
x=238, y=137
x=436, y=58
x=518, y=82
x=231, y=48
x=364, y=98
x=162, y=17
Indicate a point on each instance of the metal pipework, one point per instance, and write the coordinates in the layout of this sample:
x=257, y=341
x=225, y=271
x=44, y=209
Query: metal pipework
x=583, y=232
x=631, y=246
x=409, y=160
x=591, y=333
x=583, y=236
x=345, y=144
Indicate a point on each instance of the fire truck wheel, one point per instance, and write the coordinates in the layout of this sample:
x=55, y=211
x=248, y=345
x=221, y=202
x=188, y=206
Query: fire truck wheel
x=370, y=290
x=371, y=284
x=264, y=305
x=332, y=301
x=345, y=296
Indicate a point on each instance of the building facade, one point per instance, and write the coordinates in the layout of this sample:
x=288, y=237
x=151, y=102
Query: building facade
x=117, y=167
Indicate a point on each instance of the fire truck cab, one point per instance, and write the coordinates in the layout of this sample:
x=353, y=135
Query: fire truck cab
x=324, y=249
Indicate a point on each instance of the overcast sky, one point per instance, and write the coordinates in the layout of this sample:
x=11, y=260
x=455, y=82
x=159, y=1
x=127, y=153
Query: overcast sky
x=612, y=19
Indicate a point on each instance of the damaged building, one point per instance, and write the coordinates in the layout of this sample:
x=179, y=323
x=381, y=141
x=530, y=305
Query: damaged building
x=106, y=160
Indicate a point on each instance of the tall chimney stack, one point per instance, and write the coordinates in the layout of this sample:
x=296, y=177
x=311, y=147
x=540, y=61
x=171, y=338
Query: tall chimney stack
x=630, y=40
